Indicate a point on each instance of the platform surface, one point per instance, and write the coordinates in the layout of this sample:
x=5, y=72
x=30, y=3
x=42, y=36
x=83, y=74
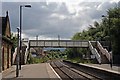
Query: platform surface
x=42, y=70
x=107, y=67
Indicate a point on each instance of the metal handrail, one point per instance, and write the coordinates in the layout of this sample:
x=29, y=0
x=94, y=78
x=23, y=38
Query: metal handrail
x=104, y=51
x=26, y=54
x=95, y=52
x=14, y=55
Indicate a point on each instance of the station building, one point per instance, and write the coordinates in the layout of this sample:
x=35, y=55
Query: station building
x=7, y=44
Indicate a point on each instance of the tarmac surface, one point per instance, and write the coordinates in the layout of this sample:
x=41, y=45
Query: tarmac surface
x=36, y=71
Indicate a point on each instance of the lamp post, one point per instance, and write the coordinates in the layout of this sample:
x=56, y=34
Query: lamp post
x=109, y=30
x=111, y=55
x=21, y=31
x=17, y=61
x=0, y=55
x=59, y=40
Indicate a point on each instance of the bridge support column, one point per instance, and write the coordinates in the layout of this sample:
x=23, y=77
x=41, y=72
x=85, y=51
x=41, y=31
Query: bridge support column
x=88, y=54
x=40, y=51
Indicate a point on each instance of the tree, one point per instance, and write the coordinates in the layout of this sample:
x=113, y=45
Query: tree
x=14, y=40
x=112, y=28
x=107, y=30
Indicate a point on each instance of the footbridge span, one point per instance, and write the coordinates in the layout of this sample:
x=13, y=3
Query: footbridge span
x=97, y=49
x=58, y=43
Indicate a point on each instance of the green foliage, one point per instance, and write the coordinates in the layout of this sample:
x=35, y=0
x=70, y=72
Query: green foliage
x=73, y=52
x=51, y=56
x=14, y=40
x=35, y=60
x=107, y=30
x=112, y=28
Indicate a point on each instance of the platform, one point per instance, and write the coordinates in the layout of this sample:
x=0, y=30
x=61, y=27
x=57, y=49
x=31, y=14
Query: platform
x=42, y=70
x=106, y=67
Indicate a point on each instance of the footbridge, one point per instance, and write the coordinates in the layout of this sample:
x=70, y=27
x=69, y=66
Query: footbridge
x=97, y=49
x=59, y=43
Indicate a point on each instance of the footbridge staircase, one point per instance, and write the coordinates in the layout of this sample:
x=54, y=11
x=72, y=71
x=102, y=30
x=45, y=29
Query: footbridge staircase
x=101, y=53
x=24, y=54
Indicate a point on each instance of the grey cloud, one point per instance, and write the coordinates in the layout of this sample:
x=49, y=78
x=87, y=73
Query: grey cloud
x=107, y=5
x=37, y=20
x=96, y=8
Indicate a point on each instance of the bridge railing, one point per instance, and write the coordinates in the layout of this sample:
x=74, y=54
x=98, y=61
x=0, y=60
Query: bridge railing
x=95, y=52
x=58, y=43
x=104, y=51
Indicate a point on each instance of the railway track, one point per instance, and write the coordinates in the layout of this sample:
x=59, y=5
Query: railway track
x=69, y=73
x=99, y=73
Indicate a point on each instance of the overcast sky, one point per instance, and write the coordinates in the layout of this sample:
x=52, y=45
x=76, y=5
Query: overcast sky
x=48, y=19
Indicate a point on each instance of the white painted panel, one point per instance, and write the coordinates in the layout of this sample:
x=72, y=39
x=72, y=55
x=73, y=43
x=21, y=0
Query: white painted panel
x=84, y=44
x=54, y=43
x=41, y=43
x=77, y=44
x=47, y=43
x=32, y=43
x=63, y=44
x=70, y=44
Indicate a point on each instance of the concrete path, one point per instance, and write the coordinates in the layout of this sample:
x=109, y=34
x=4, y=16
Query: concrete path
x=42, y=70
x=115, y=68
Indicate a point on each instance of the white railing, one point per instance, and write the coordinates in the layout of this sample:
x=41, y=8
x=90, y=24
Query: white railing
x=14, y=55
x=26, y=54
x=104, y=51
x=95, y=52
x=26, y=51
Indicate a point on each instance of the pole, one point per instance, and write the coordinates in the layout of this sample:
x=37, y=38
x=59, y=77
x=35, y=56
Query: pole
x=20, y=33
x=110, y=49
x=17, y=62
x=110, y=46
x=20, y=36
x=59, y=40
x=36, y=40
x=0, y=55
x=37, y=43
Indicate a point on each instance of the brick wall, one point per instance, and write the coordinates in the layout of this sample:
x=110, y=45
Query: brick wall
x=7, y=55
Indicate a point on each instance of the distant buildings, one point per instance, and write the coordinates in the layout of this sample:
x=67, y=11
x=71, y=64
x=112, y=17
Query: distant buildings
x=7, y=44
